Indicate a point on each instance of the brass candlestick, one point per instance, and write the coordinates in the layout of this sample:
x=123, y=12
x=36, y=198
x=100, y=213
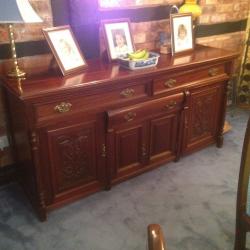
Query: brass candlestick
x=15, y=71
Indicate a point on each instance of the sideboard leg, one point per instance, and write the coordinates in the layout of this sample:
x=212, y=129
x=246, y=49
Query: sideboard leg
x=177, y=158
x=108, y=188
x=42, y=215
x=41, y=208
x=220, y=141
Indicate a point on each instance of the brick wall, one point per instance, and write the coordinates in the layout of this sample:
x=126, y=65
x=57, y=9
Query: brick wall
x=145, y=34
x=220, y=11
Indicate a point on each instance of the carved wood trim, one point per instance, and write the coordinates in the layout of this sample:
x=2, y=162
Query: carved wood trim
x=34, y=141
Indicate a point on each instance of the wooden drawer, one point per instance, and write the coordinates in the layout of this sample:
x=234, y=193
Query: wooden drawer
x=143, y=111
x=167, y=82
x=72, y=105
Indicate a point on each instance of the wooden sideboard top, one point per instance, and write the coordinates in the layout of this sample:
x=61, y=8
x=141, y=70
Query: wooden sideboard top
x=101, y=73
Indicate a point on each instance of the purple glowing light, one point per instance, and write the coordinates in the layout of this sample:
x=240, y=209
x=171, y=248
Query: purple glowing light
x=109, y=3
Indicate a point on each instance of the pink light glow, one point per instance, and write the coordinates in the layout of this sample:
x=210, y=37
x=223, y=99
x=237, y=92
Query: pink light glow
x=109, y=3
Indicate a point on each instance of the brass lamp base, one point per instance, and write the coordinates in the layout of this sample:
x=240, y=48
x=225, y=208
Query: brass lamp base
x=16, y=73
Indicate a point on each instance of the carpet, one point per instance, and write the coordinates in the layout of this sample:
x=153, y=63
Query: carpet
x=193, y=200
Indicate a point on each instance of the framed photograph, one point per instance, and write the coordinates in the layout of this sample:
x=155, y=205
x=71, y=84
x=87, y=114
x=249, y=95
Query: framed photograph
x=182, y=37
x=65, y=49
x=119, y=40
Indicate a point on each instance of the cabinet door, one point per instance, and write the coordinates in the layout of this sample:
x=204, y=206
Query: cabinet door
x=202, y=119
x=142, y=134
x=76, y=166
x=163, y=143
x=127, y=147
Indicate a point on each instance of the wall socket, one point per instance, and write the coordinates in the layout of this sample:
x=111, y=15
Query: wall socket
x=4, y=142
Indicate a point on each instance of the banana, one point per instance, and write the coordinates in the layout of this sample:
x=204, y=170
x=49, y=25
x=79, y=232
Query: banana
x=146, y=56
x=139, y=55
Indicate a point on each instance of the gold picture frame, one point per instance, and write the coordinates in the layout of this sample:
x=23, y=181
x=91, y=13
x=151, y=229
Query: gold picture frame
x=65, y=49
x=118, y=37
x=182, y=35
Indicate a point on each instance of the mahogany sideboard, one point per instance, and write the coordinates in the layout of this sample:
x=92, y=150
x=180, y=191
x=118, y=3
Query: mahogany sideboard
x=76, y=135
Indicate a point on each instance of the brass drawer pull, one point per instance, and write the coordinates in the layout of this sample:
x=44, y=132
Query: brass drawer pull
x=213, y=72
x=104, y=154
x=63, y=107
x=126, y=93
x=171, y=105
x=170, y=83
x=130, y=116
x=143, y=150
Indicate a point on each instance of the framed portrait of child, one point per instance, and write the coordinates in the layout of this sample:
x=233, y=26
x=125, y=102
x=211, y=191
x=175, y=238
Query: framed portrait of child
x=182, y=38
x=65, y=49
x=118, y=37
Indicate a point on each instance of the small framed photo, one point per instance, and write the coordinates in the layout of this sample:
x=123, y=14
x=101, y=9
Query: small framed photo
x=119, y=41
x=182, y=37
x=65, y=49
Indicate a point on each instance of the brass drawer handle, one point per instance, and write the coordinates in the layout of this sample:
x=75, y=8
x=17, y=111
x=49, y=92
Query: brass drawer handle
x=126, y=93
x=213, y=71
x=143, y=150
x=104, y=154
x=63, y=107
x=130, y=116
x=171, y=105
x=170, y=83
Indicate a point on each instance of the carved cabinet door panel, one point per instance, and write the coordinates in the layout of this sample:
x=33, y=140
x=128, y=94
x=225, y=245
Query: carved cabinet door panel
x=75, y=160
x=201, y=121
x=127, y=150
x=164, y=137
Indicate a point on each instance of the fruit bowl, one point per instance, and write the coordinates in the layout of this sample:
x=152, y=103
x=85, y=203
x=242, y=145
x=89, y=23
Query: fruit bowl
x=134, y=64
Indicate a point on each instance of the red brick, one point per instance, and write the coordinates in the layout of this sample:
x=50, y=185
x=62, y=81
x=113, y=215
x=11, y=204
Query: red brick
x=208, y=9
